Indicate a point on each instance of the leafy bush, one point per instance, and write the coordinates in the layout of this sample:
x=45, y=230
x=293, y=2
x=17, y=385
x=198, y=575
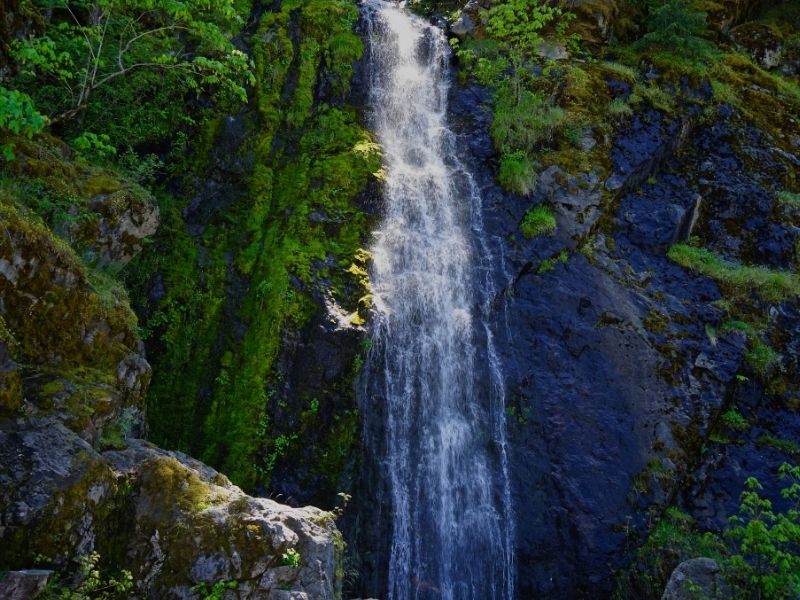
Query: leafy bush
x=765, y=558
x=215, y=591
x=291, y=558
x=539, y=220
x=17, y=116
x=91, y=49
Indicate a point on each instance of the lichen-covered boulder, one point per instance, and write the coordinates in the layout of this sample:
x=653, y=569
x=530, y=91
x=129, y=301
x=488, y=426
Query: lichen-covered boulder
x=175, y=523
x=725, y=14
x=192, y=526
x=124, y=218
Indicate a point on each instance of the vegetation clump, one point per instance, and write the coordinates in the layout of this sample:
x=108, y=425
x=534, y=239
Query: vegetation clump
x=539, y=220
x=772, y=284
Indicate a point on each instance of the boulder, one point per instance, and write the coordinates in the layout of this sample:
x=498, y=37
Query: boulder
x=172, y=521
x=124, y=219
x=23, y=585
x=702, y=573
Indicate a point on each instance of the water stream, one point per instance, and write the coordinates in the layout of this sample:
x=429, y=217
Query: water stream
x=432, y=364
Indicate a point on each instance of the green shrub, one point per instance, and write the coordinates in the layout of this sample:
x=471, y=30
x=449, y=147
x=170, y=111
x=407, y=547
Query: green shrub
x=765, y=546
x=291, y=558
x=92, y=583
x=539, y=220
x=673, y=25
x=17, y=116
x=517, y=173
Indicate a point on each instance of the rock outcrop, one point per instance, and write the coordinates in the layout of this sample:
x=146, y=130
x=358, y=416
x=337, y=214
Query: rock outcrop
x=170, y=520
x=74, y=479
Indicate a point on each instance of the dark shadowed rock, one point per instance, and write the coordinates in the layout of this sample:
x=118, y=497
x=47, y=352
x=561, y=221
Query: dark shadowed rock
x=23, y=585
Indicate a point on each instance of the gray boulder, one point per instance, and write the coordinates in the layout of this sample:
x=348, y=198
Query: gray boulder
x=695, y=578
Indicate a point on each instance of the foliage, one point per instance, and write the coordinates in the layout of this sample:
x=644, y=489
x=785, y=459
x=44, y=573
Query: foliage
x=765, y=558
x=93, y=585
x=291, y=558
x=517, y=25
x=523, y=121
x=525, y=116
x=549, y=264
x=734, y=419
x=772, y=284
x=212, y=393
x=91, y=143
x=19, y=117
x=675, y=26
x=618, y=107
x=215, y=591
x=128, y=65
x=762, y=358
x=539, y=220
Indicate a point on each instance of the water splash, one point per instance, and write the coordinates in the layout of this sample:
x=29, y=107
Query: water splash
x=433, y=365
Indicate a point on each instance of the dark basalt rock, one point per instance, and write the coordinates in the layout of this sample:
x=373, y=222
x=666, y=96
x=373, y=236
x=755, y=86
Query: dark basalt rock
x=609, y=367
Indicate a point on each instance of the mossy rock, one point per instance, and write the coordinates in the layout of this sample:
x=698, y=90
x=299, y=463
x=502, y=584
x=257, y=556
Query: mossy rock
x=71, y=326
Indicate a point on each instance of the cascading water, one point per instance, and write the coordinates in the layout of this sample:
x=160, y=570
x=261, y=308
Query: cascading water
x=432, y=367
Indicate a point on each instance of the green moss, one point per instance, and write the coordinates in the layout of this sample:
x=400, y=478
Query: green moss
x=549, y=264
x=786, y=446
x=539, y=220
x=620, y=71
x=656, y=96
x=772, y=284
x=294, y=229
x=618, y=107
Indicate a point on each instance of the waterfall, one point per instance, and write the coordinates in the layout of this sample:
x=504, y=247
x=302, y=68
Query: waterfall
x=432, y=368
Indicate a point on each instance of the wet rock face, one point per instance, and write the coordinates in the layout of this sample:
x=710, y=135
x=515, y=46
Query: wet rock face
x=613, y=381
